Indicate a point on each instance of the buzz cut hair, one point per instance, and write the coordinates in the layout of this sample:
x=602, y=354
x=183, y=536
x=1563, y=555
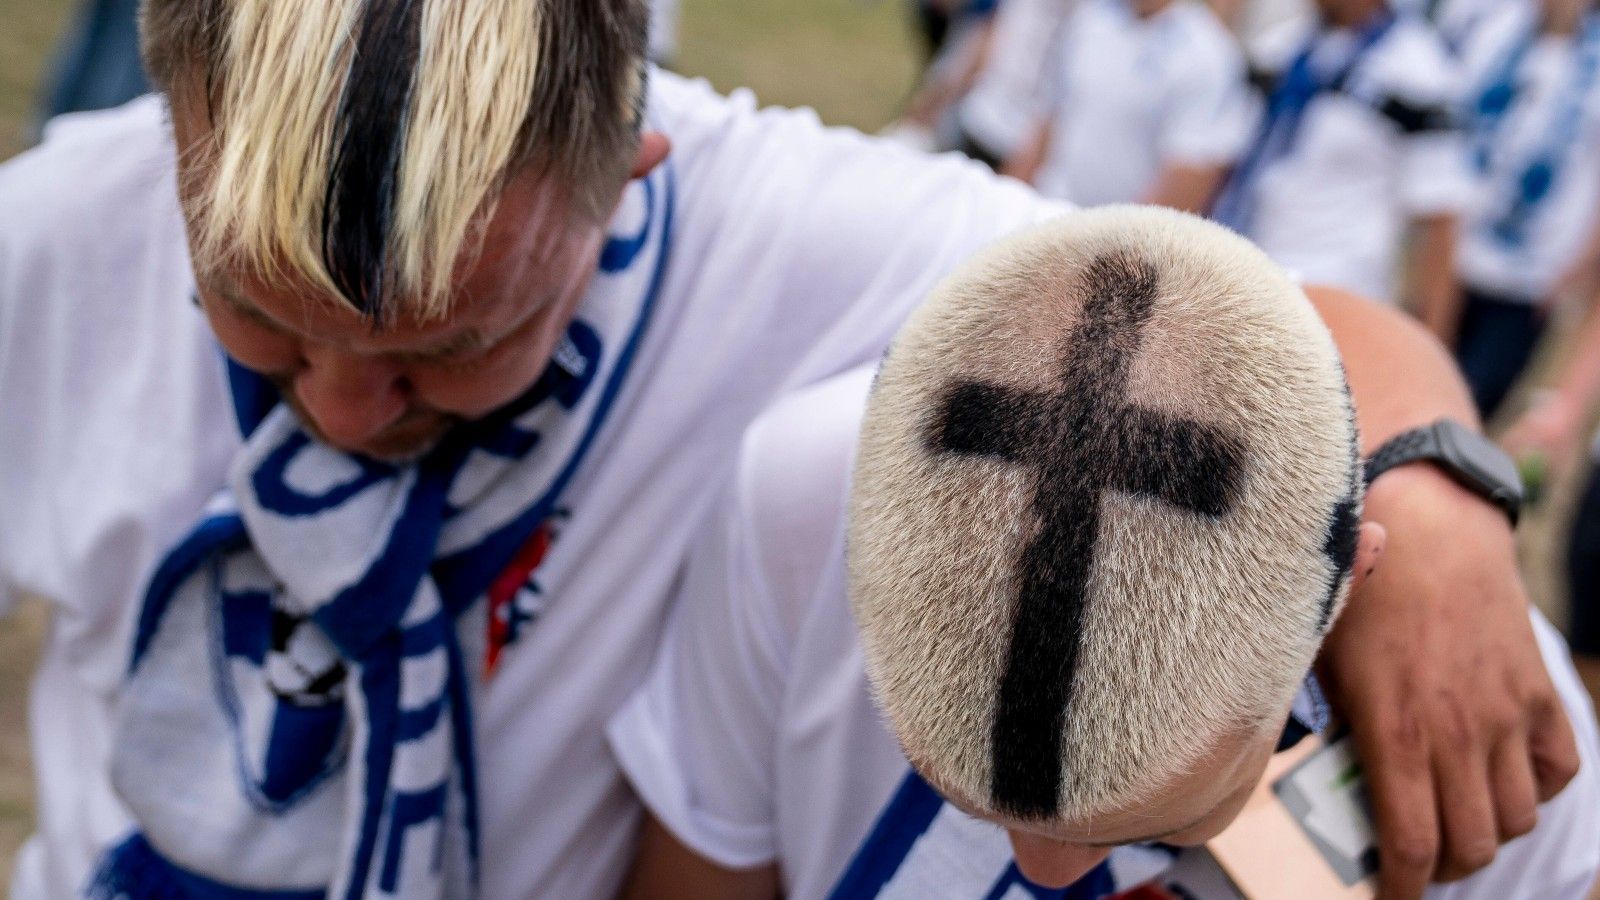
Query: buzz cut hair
x=1104, y=511
x=360, y=146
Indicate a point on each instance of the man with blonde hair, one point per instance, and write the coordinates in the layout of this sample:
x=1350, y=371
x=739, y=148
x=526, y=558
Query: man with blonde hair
x=361, y=396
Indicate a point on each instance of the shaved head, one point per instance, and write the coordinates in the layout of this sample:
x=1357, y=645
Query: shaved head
x=1104, y=510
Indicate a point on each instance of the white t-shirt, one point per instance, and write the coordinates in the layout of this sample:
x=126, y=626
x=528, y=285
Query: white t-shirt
x=795, y=252
x=1006, y=100
x=1334, y=209
x=663, y=30
x=756, y=740
x=1131, y=96
x=1526, y=266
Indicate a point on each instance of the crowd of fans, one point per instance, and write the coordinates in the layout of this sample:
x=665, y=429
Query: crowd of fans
x=1442, y=155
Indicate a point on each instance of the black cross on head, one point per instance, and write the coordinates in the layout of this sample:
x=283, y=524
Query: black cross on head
x=1079, y=442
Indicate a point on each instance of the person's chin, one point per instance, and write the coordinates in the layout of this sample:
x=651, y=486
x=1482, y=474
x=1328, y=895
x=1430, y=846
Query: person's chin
x=406, y=444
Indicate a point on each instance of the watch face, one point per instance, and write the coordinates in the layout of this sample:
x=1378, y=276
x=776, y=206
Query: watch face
x=1475, y=458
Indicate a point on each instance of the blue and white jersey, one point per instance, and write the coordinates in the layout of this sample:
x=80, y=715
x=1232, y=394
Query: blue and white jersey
x=756, y=741
x=1532, y=115
x=1369, y=149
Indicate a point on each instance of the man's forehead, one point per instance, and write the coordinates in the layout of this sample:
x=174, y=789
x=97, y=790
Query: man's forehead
x=287, y=310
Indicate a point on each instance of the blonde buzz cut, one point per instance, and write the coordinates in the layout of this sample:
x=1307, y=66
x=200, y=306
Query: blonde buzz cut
x=1104, y=510
x=360, y=147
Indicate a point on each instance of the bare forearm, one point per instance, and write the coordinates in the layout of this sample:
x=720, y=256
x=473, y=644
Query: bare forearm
x=1024, y=164
x=1579, y=383
x=1400, y=375
x=1189, y=188
x=665, y=869
x=1433, y=276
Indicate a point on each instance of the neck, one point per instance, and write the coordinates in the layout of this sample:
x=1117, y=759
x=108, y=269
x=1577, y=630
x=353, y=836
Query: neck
x=1145, y=9
x=1352, y=13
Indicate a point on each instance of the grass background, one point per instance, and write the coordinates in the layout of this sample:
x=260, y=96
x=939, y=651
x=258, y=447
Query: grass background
x=853, y=60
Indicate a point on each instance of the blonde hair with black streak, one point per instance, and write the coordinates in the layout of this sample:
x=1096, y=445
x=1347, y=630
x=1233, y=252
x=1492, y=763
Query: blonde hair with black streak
x=1104, y=510
x=359, y=146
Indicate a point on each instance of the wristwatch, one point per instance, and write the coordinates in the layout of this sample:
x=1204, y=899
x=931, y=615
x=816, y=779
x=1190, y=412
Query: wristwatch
x=1465, y=455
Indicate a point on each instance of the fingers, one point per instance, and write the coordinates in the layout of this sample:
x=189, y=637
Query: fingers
x=1400, y=784
x=1467, y=812
x=1551, y=745
x=1516, y=795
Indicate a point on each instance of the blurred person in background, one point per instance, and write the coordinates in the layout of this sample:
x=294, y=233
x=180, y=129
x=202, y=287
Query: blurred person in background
x=97, y=65
x=1457, y=20
x=1148, y=103
x=1532, y=116
x=992, y=121
x=1355, y=150
x=964, y=50
x=664, y=17
x=1546, y=437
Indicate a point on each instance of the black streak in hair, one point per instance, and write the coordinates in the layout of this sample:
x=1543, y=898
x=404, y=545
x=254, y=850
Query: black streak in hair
x=364, y=170
x=1079, y=442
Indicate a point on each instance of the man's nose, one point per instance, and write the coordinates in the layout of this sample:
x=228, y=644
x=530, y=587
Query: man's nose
x=1054, y=864
x=350, y=399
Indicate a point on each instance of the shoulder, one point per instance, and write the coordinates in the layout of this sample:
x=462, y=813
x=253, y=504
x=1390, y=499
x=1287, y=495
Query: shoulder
x=1412, y=65
x=1493, y=35
x=1206, y=41
x=95, y=175
x=793, y=478
x=783, y=168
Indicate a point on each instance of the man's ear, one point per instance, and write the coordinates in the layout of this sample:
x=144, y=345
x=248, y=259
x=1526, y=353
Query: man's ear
x=1370, y=541
x=653, y=149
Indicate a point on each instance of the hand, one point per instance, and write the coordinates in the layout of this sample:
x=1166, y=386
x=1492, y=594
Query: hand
x=1580, y=280
x=1551, y=428
x=1435, y=666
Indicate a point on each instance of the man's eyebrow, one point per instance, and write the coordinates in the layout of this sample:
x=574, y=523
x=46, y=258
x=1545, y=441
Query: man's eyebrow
x=466, y=341
x=454, y=345
x=230, y=295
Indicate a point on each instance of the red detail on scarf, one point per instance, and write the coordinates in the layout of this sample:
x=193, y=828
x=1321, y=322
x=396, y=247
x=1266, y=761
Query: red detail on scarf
x=503, y=595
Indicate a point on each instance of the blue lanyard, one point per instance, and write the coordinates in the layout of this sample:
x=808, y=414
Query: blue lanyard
x=1536, y=180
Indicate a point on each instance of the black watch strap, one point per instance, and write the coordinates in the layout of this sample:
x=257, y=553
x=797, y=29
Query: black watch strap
x=1465, y=455
x=1406, y=447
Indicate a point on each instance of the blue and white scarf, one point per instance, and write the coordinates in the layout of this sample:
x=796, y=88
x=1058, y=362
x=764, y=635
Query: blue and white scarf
x=297, y=718
x=921, y=846
x=1533, y=176
x=1301, y=84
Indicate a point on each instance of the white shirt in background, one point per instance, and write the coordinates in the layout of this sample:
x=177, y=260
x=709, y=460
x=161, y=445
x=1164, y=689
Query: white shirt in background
x=663, y=30
x=1336, y=207
x=1006, y=101
x=755, y=740
x=795, y=252
x=1131, y=96
x=1526, y=269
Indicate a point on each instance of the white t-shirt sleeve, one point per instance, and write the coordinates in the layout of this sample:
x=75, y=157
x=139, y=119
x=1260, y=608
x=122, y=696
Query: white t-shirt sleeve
x=700, y=739
x=697, y=741
x=1209, y=116
x=1419, y=80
